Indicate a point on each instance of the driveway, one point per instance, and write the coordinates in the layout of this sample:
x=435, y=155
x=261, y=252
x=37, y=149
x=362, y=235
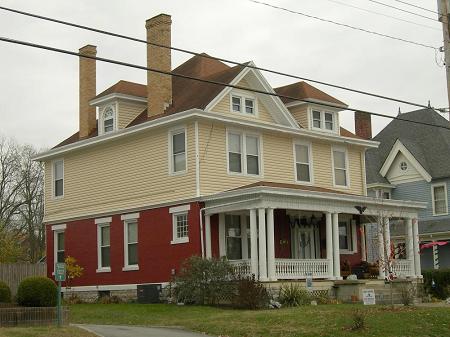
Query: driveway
x=136, y=331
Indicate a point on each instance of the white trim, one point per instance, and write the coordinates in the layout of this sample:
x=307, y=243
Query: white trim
x=347, y=168
x=197, y=160
x=243, y=142
x=172, y=132
x=129, y=216
x=115, y=96
x=310, y=164
x=53, y=163
x=127, y=266
x=399, y=147
x=100, y=225
x=316, y=101
x=59, y=227
x=323, y=111
x=55, y=245
x=243, y=95
x=178, y=209
x=382, y=185
x=200, y=114
x=363, y=172
x=443, y=184
x=175, y=239
x=103, y=220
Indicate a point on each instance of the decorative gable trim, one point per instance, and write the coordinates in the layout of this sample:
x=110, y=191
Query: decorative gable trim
x=399, y=147
x=281, y=115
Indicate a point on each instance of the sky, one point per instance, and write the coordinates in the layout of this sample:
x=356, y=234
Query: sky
x=39, y=89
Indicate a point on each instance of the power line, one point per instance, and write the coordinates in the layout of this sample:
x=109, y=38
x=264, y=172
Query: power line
x=416, y=6
x=130, y=38
x=135, y=66
x=344, y=24
x=382, y=14
x=402, y=10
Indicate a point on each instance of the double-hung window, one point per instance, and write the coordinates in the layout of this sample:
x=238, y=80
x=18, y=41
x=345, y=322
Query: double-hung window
x=317, y=119
x=58, y=178
x=243, y=104
x=303, y=162
x=59, y=246
x=439, y=197
x=180, y=227
x=104, y=244
x=236, y=103
x=244, y=153
x=340, y=168
x=323, y=120
x=178, y=151
x=108, y=120
x=131, y=244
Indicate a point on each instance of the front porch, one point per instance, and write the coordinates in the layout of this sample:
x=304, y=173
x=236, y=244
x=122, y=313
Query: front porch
x=292, y=237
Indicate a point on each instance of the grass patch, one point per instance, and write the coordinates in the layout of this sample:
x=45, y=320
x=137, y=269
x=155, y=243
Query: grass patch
x=45, y=332
x=311, y=321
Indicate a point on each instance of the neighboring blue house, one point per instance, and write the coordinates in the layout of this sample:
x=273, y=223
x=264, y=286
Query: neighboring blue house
x=413, y=163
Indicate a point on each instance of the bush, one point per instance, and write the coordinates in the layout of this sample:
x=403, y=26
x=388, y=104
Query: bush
x=250, y=294
x=205, y=281
x=441, y=278
x=294, y=295
x=407, y=294
x=37, y=292
x=5, y=293
x=358, y=320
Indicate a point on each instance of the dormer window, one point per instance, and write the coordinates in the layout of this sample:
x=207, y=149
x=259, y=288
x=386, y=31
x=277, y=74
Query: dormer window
x=243, y=104
x=107, y=120
x=324, y=120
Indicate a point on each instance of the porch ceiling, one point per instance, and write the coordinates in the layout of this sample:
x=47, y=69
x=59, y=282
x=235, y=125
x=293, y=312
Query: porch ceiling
x=300, y=197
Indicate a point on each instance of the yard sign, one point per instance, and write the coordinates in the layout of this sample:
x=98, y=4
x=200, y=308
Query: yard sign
x=368, y=296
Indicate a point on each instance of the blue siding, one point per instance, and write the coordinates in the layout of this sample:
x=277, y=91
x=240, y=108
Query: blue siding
x=420, y=191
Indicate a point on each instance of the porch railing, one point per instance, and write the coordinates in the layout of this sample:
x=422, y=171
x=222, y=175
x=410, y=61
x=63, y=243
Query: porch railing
x=241, y=267
x=295, y=268
x=402, y=267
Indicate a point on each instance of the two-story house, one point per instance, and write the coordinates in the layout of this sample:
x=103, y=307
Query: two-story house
x=413, y=163
x=178, y=167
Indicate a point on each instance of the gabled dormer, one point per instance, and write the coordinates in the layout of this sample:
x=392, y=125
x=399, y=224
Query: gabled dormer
x=312, y=108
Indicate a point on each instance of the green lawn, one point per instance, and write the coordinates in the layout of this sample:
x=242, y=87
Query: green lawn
x=44, y=332
x=322, y=320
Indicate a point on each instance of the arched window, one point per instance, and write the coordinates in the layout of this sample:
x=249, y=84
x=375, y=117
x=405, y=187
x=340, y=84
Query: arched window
x=108, y=120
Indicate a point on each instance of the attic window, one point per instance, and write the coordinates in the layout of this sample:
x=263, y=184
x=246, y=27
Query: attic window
x=108, y=119
x=243, y=104
x=323, y=120
x=403, y=166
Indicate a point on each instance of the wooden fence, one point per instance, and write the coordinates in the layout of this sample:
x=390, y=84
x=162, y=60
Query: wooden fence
x=23, y=316
x=12, y=274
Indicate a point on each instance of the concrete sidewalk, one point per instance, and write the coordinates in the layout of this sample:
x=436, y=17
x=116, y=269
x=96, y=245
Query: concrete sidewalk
x=136, y=331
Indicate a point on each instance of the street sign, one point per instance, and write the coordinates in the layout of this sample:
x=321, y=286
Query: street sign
x=60, y=272
x=368, y=296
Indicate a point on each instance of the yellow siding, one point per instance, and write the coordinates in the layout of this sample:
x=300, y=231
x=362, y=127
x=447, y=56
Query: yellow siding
x=128, y=111
x=121, y=174
x=277, y=159
x=223, y=107
x=300, y=114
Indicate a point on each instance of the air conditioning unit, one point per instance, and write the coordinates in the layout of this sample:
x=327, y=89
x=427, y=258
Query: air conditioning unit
x=149, y=293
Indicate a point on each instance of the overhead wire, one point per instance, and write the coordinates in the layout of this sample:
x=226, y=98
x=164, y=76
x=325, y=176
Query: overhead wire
x=134, y=39
x=403, y=10
x=416, y=6
x=222, y=84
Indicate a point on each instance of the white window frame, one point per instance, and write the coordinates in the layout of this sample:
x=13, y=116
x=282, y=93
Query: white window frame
x=310, y=157
x=243, y=96
x=173, y=132
x=101, y=126
x=352, y=240
x=103, y=222
x=175, y=239
x=322, y=120
x=244, y=135
x=54, y=162
x=347, y=173
x=56, y=230
x=433, y=186
x=127, y=220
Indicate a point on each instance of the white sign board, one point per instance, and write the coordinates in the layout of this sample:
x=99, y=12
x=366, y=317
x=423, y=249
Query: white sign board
x=368, y=296
x=309, y=283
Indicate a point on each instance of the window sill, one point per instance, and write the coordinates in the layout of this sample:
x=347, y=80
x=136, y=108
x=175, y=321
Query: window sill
x=443, y=214
x=58, y=197
x=178, y=241
x=130, y=268
x=247, y=175
x=103, y=270
x=179, y=173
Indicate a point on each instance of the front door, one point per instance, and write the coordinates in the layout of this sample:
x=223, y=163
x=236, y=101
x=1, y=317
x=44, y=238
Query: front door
x=303, y=242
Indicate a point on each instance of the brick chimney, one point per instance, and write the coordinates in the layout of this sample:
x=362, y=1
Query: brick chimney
x=363, y=125
x=87, y=90
x=159, y=86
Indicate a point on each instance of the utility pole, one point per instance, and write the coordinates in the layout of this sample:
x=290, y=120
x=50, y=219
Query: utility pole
x=444, y=11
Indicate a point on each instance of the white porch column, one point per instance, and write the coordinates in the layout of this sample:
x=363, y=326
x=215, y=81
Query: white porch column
x=381, y=256
x=363, y=242
x=329, y=242
x=387, y=245
x=253, y=243
x=416, y=241
x=336, y=254
x=222, y=243
x=262, y=244
x=208, y=236
x=270, y=246
x=244, y=237
x=410, y=246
